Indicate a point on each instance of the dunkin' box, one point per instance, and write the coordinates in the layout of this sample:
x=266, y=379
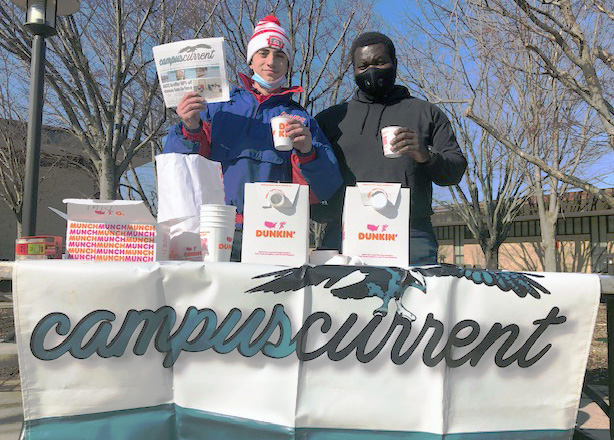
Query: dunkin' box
x=276, y=224
x=113, y=230
x=376, y=223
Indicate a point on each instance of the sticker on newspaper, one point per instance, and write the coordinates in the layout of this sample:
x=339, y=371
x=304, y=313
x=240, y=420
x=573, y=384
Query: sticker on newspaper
x=192, y=66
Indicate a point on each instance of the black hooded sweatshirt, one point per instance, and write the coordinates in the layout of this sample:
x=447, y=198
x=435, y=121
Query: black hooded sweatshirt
x=354, y=130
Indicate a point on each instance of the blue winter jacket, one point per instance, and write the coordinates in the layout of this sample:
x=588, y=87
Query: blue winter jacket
x=241, y=140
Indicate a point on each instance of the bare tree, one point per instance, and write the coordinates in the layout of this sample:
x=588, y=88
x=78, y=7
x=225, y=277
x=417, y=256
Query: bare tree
x=556, y=131
x=12, y=144
x=439, y=68
x=559, y=130
x=480, y=50
x=101, y=79
x=568, y=42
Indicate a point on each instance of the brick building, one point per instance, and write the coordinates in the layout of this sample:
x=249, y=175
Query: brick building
x=63, y=174
x=584, y=237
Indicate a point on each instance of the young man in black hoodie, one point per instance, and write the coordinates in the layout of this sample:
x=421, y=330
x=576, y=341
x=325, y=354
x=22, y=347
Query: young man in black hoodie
x=426, y=141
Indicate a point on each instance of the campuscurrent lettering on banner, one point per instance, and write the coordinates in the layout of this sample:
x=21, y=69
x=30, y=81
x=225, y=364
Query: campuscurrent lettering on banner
x=207, y=351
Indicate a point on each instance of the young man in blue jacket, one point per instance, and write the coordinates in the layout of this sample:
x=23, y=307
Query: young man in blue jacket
x=237, y=133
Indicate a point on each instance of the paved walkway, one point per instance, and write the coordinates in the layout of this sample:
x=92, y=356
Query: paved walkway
x=591, y=420
x=11, y=412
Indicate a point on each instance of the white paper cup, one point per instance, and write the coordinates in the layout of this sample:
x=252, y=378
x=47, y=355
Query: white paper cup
x=388, y=134
x=218, y=208
x=217, y=223
x=218, y=217
x=281, y=140
x=219, y=213
x=216, y=242
x=217, y=220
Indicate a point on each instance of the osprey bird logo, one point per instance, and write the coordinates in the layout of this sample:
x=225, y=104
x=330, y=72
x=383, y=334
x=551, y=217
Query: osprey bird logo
x=190, y=49
x=389, y=283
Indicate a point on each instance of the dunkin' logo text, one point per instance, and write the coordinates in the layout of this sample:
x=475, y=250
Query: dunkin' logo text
x=274, y=234
x=274, y=230
x=299, y=118
x=225, y=246
x=376, y=233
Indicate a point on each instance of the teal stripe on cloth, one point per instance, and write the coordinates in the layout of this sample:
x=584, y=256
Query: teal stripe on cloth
x=173, y=422
x=151, y=423
x=354, y=434
x=193, y=424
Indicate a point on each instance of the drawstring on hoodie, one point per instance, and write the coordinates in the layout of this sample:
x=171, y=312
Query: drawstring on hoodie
x=397, y=95
x=379, y=122
x=364, y=121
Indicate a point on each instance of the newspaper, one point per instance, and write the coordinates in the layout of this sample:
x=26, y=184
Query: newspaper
x=192, y=65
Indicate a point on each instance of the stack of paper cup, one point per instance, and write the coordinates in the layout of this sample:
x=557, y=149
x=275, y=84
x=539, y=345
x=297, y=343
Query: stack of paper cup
x=217, y=228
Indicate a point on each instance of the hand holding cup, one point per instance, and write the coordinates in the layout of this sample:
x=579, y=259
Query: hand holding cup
x=289, y=133
x=300, y=135
x=407, y=142
x=189, y=109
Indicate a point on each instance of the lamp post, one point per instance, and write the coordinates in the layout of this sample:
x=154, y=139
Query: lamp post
x=40, y=21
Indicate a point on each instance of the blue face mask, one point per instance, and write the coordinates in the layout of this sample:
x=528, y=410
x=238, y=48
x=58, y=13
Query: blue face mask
x=269, y=85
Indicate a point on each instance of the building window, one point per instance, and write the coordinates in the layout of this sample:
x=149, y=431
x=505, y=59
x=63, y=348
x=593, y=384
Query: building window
x=525, y=229
x=568, y=226
x=611, y=224
x=577, y=225
x=532, y=229
x=586, y=225
x=468, y=234
x=517, y=229
x=560, y=227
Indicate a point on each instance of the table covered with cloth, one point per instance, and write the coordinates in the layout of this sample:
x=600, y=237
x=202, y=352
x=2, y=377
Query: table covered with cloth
x=188, y=350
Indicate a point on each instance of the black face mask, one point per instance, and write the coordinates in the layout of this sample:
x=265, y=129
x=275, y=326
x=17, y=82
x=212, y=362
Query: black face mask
x=376, y=82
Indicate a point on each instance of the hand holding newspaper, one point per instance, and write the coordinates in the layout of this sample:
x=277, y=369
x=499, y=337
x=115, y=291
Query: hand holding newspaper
x=192, y=66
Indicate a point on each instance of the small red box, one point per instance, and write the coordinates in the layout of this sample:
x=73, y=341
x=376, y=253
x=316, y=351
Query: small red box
x=40, y=247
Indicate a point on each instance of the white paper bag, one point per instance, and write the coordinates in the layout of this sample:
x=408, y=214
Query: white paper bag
x=276, y=224
x=186, y=181
x=376, y=223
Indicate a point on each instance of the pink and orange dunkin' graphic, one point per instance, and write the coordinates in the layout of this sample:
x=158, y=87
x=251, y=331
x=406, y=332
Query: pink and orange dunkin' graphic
x=111, y=242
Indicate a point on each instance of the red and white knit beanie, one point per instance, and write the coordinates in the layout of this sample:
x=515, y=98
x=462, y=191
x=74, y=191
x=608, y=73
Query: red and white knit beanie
x=268, y=33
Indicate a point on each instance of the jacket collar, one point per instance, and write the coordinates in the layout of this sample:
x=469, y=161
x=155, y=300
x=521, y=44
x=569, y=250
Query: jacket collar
x=248, y=84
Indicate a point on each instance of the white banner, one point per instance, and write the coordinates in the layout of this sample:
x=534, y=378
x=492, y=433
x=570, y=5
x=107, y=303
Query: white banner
x=236, y=351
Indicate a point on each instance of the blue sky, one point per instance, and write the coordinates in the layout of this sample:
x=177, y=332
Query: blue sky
x=392, y=10
x=389, y=9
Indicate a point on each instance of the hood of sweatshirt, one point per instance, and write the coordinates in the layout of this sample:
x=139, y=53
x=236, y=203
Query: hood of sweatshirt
x=379, y=106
